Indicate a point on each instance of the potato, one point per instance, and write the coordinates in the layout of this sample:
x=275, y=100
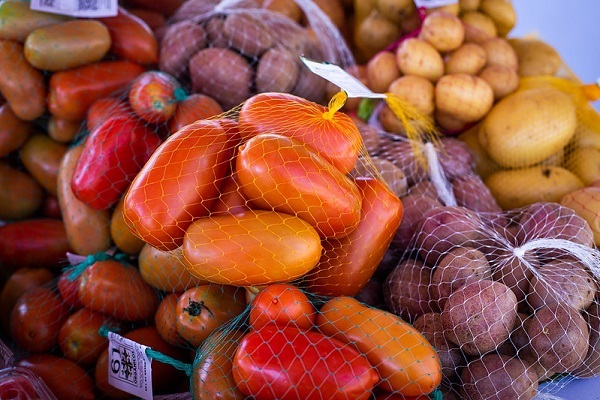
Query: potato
x=479, y=316
x=381, y=71
x=460, y=265
x=591, y=365
x=415, y=205
x=396, y=10
x=514, y=272
x=406, y=290
x=455, y=158
x=499, y=52
x=424, y=188
x=469, y=58
x=417, y=57
x=478, y=27
x=180, y=42
x=469, y=5
x=289, y=8
x=484, y=165
x=471, y=192
x=376, y=32
x=584, y=161
x=528, y=126
x=520, y=187
x=401, y=154
x=384, y=170
x=246, y=33
x=463, y=96
x=333, y=9
x=222, y=74
x=443, y=30
x=563, y=281
x=451, y=357
x=559, y=337
x=498, y=376
x=503, y=80
x=503, y=14
x=536, y=57
x=448, y=124
x=277, y=71
x=518, y=339
x=586, y=203
x=416, y=90
x=310, y=86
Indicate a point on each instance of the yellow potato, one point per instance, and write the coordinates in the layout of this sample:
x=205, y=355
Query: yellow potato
x=478, y=27
x=417, y=57
x=503, y=80
x=416, y=90
x=396, y=10
x=528, y=126
x=503, y=14
x=381, y=71
x=584, y=161
x=450, y=124
x=464, y=97
x=499, y=52
x=536, y=57
x=586, y=203
x=469, y=58
x=376, y=32
x=585, y=136
x=469, y=5
x=514, y=188
x=484, y=165
x=443, y=30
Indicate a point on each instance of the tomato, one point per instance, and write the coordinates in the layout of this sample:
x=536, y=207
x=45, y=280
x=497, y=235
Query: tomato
x=165, y=320
x=192, y=108
x=121, y=235
x=348, y=263
x=131, y=38
x=332, y=135
x=165, y=7
x=164, y=376
x=19, y=282
x=66, y=379
x=50, y=207
x=71, y=92
x=117, y=290
x=18, y=20
x=37, y=242
x=289, y=363
x=178, y=184
x=41, y=155
x=79, y=339
x=231, y=199
x=21, y=195
x=202, y=309
x=166, y=270
x=405, y=360
x=68, y=289
x=13, y=130
x=154, y=96
x=396, y=396
x=153, y=19
x=36, y=319
x=88, y=230
x=211, y=374
x=63, y=130
x=112, y=156
x=21, y=84
x=280, y=173
x=251, y=249
x=282, y=304
x=103, y=108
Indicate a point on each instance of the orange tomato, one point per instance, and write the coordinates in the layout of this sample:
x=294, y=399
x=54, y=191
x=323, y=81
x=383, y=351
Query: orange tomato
x=120, y=233
x=251, y=249
x=334, y=136
x=405, y=360
x=283, y=174
x=165, y=320
x=21, y=195
x=178, y=184
x=194, y=107
x=282, y=304
x=153, y=97
x=41, y=155
x=63, y=130
x=231, y=199
x=103, y=108
x=13, y=130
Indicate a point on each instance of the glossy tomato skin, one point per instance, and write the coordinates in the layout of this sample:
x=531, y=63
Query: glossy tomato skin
x=112, y=156
x=282, y=304
x=103, y=108
x=23, y=195
x=406, y=362
x=289, y=363
x=36, y=319
x=68, y=289
x=163, y=201
x=41, y=155
x=165, y=320
x=153, y=97
x=13, y=130
x=281, y=173
x=231, y=199
x=194, y=107
x=65, y=378
x=117, y=290
x=348, y=263
x=203, y=309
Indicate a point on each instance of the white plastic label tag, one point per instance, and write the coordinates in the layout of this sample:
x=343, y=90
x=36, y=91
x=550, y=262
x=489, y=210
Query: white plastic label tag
x=129, y=367
x=434, y=3
x=78, y=8
x=336, y=75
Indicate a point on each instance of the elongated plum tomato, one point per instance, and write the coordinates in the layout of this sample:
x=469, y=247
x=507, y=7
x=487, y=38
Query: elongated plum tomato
x=348, y=263
x=179, y=183
x=282, y=363
x=253, y=248
x=333, y=135
x=283, y=174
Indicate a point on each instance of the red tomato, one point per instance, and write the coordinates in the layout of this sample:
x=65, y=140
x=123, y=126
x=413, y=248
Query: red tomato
x=334, y=136
x=231, y=199
x=165, y=320
x=66, y=379
x=117, y=290
x=194, y=107
x=131, y=38
x=203, y=309
x=178, y=184
x=165, y=7
x=68, y=290
x=289, y=363
x=282, y=304
x=112, y=156
x=153, y=96
x=281, y=173
x=33, y=243
x=37, y=318
x=103, y=108
x=50, y=207
x=349, y=262
x=79, y=337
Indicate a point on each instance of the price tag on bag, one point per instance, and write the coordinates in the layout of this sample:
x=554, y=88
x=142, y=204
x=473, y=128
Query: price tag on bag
x=129, y=367
x=434, y=3
x=77, y=8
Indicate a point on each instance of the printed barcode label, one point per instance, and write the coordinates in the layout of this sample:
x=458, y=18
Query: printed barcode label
x=434, y=3
x=129, y=367
x=78, y=8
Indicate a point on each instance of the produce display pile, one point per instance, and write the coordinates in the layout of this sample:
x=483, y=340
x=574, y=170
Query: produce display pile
x=176, y=185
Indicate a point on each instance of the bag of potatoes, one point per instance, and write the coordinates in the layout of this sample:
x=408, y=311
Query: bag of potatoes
x=233, y=49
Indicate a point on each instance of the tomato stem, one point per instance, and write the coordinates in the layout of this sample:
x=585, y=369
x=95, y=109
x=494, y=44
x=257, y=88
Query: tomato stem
x=195, y=308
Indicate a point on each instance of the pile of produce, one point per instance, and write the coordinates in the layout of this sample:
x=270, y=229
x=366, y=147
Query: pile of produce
x=177, y=186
